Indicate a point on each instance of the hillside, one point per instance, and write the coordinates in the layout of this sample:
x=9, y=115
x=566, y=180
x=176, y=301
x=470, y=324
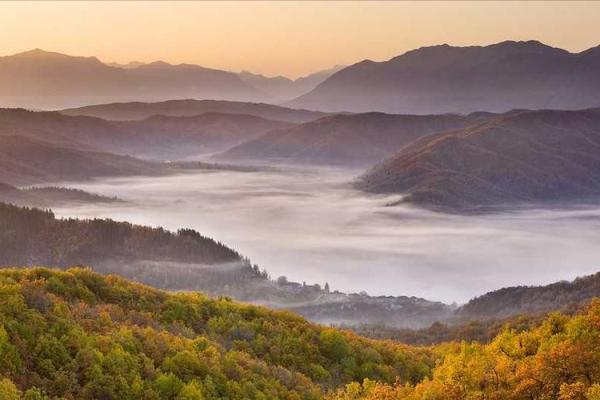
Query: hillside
x=188, y=108
x=520, y=158
x=531, y=299
x=79, y=132
x=359, y=139
x=558, y=359
x=46, y=80
x=77, y=334
x=447, y=79
x=24, y=161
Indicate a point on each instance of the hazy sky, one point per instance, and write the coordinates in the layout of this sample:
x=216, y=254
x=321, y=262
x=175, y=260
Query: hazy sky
x=289, y=38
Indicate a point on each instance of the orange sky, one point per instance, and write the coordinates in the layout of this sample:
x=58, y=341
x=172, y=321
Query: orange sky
x=289, y=38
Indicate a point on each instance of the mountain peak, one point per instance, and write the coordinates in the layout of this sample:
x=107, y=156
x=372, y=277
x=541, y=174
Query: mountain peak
x=40, y=54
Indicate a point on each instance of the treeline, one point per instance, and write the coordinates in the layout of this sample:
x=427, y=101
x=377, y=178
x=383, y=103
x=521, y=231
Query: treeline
x=76, y=334
x=531, y=299
x=36, y=237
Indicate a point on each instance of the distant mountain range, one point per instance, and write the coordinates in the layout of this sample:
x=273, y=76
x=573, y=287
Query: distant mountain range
x=442, y=79
x=521, y=157
x=39, y=79
x=459, y=163
x=430, y=80
x=278, y=88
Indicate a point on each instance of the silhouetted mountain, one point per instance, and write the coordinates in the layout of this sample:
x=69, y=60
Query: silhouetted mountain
x=24, y=161
x=442, y=79
x=521, y=157
x=282, y=88
x=160, y=137
x=359, y=139
x=187, y=108
x=40, y=79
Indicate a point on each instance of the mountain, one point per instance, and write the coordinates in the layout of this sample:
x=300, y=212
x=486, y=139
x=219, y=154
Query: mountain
x=25, y=161
x=167, y=137
x=282, y=88
x=77, y=334
x=520, y=158
x=443, y=79
x=189, y=108
x=46, y=80
x=79, y=132
x=358, y=140
x=158, y=137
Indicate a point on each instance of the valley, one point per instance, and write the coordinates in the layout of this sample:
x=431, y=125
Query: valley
x=326, y=231
x=300, y=201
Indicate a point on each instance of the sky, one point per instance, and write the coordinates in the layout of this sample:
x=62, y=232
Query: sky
x=285, y=38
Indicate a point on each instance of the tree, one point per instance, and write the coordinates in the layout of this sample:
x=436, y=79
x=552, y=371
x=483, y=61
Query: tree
x=8, y=390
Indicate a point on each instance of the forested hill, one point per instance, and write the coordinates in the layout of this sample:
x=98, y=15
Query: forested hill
x=558, y=360
x=78, y=335
x=185, y=260
x=531, y=299
x=45, y=239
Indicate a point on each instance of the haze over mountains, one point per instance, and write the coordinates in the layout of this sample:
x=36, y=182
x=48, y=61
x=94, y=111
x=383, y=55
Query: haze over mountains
x=159, y=137
x=430, y=80
x=347, y=140
x=441, y=79
x=450, y=162
x=40, y=79
x=26, y=161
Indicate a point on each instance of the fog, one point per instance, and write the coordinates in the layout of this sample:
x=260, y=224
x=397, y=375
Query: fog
x=310, y=225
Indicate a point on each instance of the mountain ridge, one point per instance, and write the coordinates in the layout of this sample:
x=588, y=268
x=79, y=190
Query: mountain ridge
x=40, y=79
x=441, y=79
